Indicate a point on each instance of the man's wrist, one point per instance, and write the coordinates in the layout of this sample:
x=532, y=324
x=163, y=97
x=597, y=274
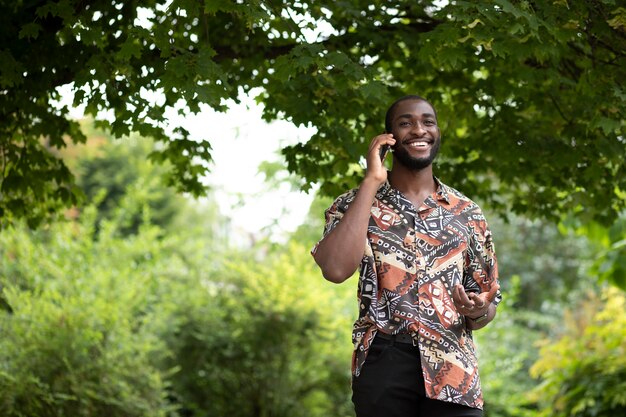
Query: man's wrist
x=370, y=181
x=475, y=323
x=479, y=319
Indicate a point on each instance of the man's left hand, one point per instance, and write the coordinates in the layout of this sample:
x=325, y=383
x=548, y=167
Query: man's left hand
x=471, y=304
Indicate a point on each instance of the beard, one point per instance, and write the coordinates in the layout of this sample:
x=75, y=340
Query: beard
x=416, y=164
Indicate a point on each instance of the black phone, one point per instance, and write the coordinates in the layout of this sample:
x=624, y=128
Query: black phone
x=383, y=151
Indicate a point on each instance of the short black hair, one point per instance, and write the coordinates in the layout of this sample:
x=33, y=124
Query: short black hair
x=392, y=108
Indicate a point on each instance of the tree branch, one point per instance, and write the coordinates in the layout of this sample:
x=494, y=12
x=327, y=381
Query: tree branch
x=558, y=109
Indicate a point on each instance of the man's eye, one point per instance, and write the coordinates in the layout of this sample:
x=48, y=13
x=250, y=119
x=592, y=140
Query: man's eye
x=404, y=124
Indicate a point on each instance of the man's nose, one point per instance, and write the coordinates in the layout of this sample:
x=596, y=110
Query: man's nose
x=418, y=128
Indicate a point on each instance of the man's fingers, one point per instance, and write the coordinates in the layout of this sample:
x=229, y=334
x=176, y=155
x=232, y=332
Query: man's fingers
x=480, y=302
x=380, y=140
x=460, y=297
x=377, y=144
x=470, y=300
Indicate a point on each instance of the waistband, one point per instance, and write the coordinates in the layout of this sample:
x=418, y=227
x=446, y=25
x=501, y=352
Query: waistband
x=400, y=338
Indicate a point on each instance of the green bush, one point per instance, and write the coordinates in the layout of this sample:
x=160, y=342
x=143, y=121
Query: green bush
x=73, y=340
x=584, y=373
x=265, y=339
x=111, y=324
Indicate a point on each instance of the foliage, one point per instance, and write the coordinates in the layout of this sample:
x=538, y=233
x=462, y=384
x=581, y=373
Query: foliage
x=178, y=324
x=272, y=342
x=112, y=63
x=584, y=372
x=75, y=340
x=609, y=247
x=107, y=170
x=311, y=229
x=553, y=263
x=529, y=94
x=507, y=349
x=149, y=324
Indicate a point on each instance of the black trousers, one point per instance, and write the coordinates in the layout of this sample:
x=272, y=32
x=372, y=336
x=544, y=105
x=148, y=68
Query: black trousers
x=391, y=385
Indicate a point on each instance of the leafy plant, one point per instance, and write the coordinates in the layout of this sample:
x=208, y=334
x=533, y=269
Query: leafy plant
x=265, y=339
x=584, y=372
x=74, y=343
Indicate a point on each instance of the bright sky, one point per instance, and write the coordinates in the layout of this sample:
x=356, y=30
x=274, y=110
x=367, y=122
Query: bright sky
x=241, y=141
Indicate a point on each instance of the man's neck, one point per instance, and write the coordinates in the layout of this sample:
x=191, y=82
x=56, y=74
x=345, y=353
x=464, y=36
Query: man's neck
x=416, y=185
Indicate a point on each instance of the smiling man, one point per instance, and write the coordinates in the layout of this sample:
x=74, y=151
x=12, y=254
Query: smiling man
x=428, y=275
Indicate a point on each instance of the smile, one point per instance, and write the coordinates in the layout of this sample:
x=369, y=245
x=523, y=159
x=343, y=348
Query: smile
x=419, y=144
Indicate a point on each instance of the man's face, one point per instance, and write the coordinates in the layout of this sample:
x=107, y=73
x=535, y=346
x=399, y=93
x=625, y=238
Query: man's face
x=414, y=126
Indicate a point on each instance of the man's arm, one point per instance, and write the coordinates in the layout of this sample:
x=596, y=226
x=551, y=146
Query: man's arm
x=478, y=304
x=339, y=253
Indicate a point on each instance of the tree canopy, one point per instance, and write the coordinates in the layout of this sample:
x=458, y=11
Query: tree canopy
x=530, y=94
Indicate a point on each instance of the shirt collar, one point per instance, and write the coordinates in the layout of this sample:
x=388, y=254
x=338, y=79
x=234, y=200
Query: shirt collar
x=442, y=192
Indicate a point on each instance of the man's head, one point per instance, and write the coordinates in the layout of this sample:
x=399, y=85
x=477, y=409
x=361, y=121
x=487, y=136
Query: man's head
x=413, y=122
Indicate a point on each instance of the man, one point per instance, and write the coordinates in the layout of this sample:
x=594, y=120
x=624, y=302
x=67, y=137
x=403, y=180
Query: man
x=428, y=276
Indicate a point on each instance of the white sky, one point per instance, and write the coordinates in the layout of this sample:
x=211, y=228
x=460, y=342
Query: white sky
x=240, y=141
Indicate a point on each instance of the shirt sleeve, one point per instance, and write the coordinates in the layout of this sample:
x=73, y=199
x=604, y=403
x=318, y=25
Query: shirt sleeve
x=481, y=269
x=334, y=214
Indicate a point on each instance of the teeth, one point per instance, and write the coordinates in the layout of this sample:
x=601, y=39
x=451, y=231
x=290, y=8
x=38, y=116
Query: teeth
x=419, y=144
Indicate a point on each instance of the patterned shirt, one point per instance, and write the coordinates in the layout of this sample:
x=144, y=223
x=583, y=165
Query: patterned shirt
x=413, y=259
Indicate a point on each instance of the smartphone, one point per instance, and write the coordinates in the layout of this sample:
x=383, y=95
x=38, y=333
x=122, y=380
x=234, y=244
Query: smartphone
x=384, y=150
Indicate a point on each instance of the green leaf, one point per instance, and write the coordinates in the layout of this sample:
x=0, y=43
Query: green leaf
x=10, y=70
x=607, y=125
x=30, y=30
x=130, y=48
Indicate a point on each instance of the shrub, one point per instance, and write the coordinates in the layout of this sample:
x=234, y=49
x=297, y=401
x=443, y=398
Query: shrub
x=74, y=343
x=584, y=372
